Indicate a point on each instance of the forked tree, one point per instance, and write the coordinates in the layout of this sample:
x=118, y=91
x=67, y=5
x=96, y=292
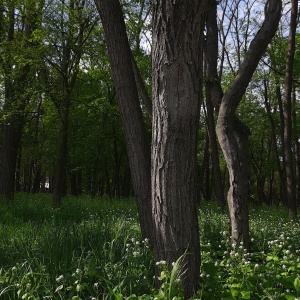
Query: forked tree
x=233, y=135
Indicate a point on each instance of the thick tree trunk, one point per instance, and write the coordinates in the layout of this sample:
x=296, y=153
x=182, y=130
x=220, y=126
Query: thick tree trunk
x=287, y=112
x=176, y=89
x=131, y=114
x=233, y=134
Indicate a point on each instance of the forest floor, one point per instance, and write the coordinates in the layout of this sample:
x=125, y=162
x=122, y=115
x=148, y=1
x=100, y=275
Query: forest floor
x=92, y=249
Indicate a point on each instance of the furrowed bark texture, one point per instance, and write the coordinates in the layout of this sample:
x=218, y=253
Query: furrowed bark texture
x=233, y=134
x=177, y=61
x=131, y=114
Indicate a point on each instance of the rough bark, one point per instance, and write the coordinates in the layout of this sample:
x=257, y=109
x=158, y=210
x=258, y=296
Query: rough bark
x=176, y=90
x=287, y=112
x=233, y=134
x=132, y=119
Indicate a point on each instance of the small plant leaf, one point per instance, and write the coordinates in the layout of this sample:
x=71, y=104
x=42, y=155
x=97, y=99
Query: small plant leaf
x=60, y=287
x=246, y=294
x=297, y=284
x=290, y=297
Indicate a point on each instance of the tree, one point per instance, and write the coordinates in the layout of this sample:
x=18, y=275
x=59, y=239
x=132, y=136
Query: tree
x=233, y=134
x=176, y=89
x=18, y=64
x=137, y=145
x=214, y=94
x=177, y=71
x=68, y=25
x=287, y=135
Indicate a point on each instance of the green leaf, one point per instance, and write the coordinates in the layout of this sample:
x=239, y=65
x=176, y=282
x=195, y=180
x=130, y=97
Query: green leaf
x=297, y=284
x=59, y=288
x=132, y=297
x=234, y=292
x=272, y=257
x=290, y=297
x=162, y=276
x=246, y=294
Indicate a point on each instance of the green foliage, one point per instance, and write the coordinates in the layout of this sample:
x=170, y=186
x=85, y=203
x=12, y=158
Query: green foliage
x=91, y=249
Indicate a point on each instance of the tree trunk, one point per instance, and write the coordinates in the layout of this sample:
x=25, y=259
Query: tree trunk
x=13, y=107
x=214, y=95
x=135, y=134
x=233, y=134
x=176, y=89
x=204, y=180
x=273, y=134
x=296, y=149
x=11, y=135
x=287, y=112
x=60, y=186
x=280, y=107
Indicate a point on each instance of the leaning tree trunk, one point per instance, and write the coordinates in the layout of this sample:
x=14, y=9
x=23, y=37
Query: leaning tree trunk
x=233, y=134
x=177, y=71
x=132, y=119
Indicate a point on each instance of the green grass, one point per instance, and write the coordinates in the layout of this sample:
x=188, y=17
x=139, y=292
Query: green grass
x=92, y=249
x=87, y=248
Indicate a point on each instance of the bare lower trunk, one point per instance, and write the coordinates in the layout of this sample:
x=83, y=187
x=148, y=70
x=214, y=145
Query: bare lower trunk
x=235, y=147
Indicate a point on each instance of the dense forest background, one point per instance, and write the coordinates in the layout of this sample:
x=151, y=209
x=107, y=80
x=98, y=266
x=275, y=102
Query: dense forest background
x=61, y=128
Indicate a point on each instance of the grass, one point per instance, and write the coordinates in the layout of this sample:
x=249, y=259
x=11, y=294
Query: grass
x=92, y=249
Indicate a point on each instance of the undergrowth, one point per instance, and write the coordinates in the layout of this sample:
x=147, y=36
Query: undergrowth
x=92, y=249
